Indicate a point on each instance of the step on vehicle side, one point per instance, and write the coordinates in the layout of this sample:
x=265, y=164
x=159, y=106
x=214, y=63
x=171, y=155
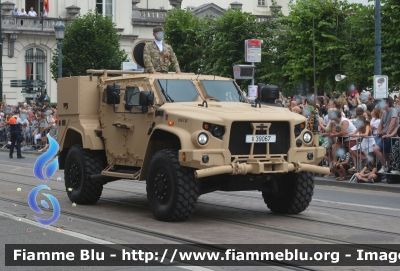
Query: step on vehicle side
x=185, y=135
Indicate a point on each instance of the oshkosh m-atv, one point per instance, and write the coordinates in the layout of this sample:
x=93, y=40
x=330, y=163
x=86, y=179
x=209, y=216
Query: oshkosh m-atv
x=185, y=135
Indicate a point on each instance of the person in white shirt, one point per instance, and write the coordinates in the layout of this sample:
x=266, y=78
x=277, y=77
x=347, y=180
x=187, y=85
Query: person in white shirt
x=23, y=12
x=32, y=13
x=341, y=128
x=45, y=13
x=376, y=119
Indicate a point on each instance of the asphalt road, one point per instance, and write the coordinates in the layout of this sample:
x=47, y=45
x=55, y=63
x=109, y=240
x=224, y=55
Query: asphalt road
x=321, y=193
x=237, y=217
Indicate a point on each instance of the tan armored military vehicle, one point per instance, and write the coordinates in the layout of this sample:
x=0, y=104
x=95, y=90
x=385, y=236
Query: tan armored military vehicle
x=185, y=135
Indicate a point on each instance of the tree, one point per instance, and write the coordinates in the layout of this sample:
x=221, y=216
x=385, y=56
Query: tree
x=359, y=58
x=91, y=42
x=328, y=34
x=184, y=33
x=226, y=40
x=214, y=45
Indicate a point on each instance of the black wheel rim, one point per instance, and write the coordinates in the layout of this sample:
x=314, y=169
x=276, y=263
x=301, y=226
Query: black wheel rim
x=162, y=186
x=75, y=175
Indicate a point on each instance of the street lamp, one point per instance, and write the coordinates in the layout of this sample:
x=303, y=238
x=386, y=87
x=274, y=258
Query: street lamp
x=59, y=28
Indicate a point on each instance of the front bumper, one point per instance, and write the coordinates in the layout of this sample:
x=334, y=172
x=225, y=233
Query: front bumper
x=220, y=162
x=260, y=168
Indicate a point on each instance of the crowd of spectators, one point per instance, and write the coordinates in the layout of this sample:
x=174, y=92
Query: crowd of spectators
x=39, y=119
x=359, y=134
x=31, y=12
x=355, y=130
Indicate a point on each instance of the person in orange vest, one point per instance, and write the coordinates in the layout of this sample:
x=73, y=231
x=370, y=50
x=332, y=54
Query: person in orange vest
x=15, y=130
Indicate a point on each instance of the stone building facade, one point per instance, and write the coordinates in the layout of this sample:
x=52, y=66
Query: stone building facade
x=29, y=42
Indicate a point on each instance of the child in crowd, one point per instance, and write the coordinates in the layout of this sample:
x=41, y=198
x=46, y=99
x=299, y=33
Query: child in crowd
x=343, y=163
x=365, y=144
x=368, y=173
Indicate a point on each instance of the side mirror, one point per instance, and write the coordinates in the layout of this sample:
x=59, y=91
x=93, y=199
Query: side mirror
x=113, y=92
x=146, y=98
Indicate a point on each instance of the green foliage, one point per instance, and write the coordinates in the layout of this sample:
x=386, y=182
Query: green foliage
x=359, y=59
x=184, y=33
x=91, y=42
x=344, y=43
x=226, y=40
x=330, y=41
x=214, y=45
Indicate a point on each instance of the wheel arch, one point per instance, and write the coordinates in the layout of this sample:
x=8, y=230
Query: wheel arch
x=159, y=140
x=73, y=137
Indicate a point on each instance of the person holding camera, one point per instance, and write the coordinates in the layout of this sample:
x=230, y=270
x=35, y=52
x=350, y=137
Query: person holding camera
x=389, y=122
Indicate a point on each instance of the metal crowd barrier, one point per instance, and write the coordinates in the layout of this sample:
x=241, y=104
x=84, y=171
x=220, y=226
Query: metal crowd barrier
x=32, y=142
x=362, y=147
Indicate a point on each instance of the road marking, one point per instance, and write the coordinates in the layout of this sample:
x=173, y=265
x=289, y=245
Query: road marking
x=87, y=238
x=355, y=205
x=54, y=229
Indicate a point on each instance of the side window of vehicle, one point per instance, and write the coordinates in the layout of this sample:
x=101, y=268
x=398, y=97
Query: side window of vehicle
x=132, y=95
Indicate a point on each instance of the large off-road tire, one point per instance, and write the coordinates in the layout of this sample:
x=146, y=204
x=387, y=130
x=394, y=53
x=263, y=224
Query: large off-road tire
x=172, y=190
x=79, y=165
x=294, y=196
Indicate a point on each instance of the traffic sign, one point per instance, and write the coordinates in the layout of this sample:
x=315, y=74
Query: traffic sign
x=28, y=95
x=27, y=83
x=19, y=83
x=253, y=50
x=38, y=83
x=381, y=87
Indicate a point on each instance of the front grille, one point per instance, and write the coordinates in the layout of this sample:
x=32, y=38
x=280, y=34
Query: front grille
x=239, y=130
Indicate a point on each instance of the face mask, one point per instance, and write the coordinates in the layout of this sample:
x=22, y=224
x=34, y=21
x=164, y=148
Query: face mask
x=340, y=152
x=370, y=158
x=160, y=35
x=382, y=105
x=363, y=97
x=307, y=112
x=359, y=123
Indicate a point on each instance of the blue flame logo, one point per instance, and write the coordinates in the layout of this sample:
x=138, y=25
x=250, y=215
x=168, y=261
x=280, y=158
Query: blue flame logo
x=43, y=173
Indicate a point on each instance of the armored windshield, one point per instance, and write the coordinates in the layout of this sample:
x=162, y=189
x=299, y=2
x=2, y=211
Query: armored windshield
x=224, y=91
x=177, y=90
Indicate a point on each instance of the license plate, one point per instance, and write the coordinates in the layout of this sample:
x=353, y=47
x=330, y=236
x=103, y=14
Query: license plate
x=260, y=138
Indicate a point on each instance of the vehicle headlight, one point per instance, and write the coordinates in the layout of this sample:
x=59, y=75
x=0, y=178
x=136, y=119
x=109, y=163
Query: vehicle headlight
x=307, y=137
x=202, y=139
x=299, y=128
x=218, y=131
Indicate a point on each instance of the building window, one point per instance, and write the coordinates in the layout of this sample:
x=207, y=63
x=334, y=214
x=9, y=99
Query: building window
x=105, y=7
x=35, y=64
x=262, y=3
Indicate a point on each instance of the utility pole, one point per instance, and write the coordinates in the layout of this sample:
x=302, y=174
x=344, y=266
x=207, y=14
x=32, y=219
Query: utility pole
x=315, y=125
x=378, y=46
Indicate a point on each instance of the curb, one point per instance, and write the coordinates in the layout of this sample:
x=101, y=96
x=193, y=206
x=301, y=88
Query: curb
x=382, y=186
x=26, y=152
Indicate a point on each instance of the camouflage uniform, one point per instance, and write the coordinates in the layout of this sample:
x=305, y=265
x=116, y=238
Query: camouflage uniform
x=159, y=61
